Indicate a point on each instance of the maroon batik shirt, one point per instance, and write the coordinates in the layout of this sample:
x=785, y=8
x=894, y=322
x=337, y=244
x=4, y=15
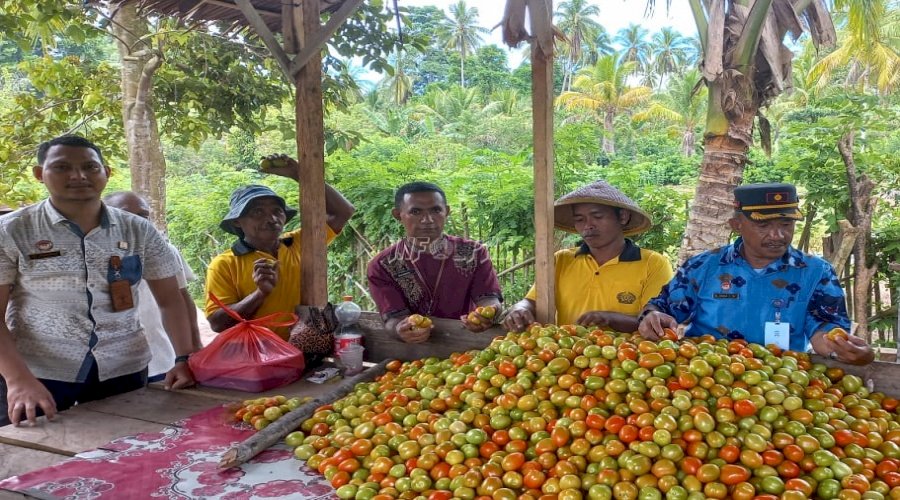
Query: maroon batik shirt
x=402, y=280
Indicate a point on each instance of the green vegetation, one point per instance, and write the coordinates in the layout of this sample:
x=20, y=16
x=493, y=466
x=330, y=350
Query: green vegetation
x=450, y=110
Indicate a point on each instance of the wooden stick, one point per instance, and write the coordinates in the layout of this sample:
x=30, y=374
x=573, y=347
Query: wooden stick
x=289, y=422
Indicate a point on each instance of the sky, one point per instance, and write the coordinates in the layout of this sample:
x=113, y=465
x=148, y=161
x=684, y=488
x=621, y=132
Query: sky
x=614, y=15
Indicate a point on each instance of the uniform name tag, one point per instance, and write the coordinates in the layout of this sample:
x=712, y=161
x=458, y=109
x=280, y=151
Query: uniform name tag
x=45, y=255
x=725, y=295
x=119, y=289
x=778, y=334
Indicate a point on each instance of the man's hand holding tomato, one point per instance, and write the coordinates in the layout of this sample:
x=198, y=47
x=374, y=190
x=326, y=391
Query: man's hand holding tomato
x=414, y=328
x=654, y=324
x=479, y=319
x=845, y=348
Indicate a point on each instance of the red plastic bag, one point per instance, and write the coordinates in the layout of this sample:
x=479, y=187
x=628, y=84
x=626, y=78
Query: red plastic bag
x=248, y=356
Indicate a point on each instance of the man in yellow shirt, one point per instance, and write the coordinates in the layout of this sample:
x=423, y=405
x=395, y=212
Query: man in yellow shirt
x=607, y=279
x=260, y=274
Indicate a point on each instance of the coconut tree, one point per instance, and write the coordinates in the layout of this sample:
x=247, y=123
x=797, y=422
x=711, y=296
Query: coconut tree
x=864, y=49
x=670, y=51
x=399, y=83
x=602, y=45
x=744, y=64
x=575, y=18
x=634, y=45
x=603, y=88
x=462, y=33
x=683, y=106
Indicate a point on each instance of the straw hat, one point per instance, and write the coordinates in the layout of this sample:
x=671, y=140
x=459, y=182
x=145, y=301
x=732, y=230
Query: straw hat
x=601, y=193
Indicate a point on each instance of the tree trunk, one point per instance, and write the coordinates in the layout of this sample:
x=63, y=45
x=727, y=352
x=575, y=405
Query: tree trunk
x=140, y=60
x=862, y=206
x=609, y=144
x=462, y=69
x=806, y=234
x=687, y=142
x=729, y=132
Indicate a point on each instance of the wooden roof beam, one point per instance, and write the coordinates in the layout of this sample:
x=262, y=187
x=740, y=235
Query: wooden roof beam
x=256, y=21
x=229, y=5
x=314, y=43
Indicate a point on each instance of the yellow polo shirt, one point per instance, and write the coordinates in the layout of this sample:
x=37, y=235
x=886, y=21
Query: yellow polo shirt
x=230, y=277
x=623, y=285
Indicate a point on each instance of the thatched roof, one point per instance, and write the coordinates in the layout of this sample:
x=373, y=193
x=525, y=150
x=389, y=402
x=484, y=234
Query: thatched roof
x=223, y=10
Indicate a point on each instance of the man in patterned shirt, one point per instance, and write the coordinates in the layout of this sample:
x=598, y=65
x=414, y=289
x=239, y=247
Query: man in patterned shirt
x=69, y=273
x=759, y=288
x=428, y=272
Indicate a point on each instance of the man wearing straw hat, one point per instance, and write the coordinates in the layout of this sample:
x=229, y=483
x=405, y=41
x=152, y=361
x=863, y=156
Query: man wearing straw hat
x=759, y=288
x=260, y=274
x=607, y=279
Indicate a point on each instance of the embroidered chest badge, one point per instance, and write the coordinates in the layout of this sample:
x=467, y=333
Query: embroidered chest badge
x=44, y=245
x=626, y=298
x=725, y=284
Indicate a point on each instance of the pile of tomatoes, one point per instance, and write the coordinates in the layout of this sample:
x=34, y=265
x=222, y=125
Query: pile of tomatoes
x=261, y=412
x=568, y=413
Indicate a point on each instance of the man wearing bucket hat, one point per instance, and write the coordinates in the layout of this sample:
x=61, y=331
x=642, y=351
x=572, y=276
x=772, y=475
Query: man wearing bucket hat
x=607, y=279
x=759, y=288
x=260, y=274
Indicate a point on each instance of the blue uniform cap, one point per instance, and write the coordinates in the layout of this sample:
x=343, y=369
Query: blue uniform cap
x=768, y=201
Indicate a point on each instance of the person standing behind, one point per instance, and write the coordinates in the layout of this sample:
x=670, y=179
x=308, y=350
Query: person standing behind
x=607, y=279
x=759, y=288
x=260, y=274
x=69, y=270
x=428, y=272
x=161, y=351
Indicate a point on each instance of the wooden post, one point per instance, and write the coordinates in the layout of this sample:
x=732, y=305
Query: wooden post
x=542, y=105
x=291, y=27
x=310, y=155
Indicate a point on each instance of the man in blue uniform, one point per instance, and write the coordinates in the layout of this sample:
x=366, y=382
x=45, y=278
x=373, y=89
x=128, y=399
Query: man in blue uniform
x=759, y=288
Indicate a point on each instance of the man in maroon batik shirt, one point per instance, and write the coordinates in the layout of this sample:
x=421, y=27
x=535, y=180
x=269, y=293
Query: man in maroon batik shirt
x=428, y=272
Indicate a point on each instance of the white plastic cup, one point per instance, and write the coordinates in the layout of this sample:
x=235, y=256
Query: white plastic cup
x=352, y=358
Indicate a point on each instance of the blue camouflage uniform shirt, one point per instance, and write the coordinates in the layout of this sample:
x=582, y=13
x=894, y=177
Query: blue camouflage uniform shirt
x=720, y=294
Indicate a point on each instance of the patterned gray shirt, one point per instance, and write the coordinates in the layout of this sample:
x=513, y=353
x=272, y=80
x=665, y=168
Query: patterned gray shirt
x=60, y=309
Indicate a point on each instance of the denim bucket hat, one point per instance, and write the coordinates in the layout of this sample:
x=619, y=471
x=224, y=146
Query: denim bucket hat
x=241, y=197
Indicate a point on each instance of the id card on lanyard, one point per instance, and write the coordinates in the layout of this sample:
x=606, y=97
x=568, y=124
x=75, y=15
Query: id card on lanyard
x=776, y=332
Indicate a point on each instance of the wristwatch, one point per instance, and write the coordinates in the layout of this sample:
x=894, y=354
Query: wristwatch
x=182, y=359
x=643, y=315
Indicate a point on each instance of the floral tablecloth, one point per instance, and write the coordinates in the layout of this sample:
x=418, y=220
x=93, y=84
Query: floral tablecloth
x=179, y=462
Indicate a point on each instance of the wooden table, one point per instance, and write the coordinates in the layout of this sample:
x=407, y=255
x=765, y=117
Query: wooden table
x=91, y=425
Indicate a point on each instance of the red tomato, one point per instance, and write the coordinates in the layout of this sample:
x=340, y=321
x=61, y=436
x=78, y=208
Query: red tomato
x=744, y=408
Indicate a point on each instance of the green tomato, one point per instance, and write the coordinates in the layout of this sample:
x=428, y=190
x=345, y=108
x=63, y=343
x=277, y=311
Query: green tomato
x=304, y=452
x=294, y=439
x=347, y=491
x=829, y=488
